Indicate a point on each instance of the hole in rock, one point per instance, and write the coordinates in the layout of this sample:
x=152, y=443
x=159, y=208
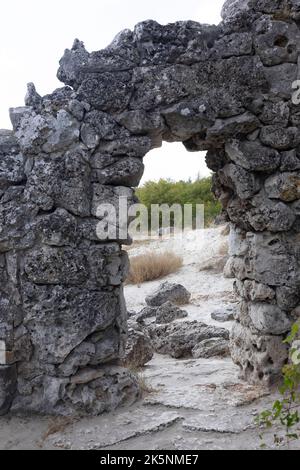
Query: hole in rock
x=281, y=41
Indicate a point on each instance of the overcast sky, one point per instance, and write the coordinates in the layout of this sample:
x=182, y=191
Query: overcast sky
x=34, y=34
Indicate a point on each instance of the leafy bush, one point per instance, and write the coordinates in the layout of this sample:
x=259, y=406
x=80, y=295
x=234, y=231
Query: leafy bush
x=151, y=266
x=181, y=192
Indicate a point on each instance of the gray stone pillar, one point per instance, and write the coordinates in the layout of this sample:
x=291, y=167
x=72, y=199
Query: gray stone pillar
x=62, y=311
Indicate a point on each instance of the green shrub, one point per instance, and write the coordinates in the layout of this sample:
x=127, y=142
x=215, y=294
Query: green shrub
x=181, y=192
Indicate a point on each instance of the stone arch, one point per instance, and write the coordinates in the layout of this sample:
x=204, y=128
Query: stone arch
x=226, y=89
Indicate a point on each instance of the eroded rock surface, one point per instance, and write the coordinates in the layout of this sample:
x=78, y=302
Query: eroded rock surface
x=226, y=89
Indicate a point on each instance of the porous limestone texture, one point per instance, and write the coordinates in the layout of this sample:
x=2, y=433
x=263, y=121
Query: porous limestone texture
x=226, y=89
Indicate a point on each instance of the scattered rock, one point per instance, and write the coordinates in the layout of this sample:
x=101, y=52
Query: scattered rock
x=179, y=339
x=167, y=291
x=147, y=312
x=169, y=312
x=224, y=315
x=138, y=349
x=211, y=348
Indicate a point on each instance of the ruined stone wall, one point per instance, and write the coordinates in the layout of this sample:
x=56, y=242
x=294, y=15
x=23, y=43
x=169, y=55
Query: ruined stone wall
x=226, y=89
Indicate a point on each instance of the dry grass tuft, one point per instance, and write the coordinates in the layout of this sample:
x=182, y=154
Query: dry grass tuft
x=57, y=424
x=151, y=266
x=144, y=386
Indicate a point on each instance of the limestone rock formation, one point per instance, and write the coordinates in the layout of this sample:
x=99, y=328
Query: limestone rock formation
x=228, y=89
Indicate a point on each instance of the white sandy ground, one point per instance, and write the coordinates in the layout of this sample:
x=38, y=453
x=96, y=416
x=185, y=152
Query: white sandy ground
x=190, y=405
x=209, y=291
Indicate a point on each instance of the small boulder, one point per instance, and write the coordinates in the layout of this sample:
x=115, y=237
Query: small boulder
x=169, y=312
x=179, y=339
x=138, y=349
x=168, y=291
x=211, y=347
x=224, y=314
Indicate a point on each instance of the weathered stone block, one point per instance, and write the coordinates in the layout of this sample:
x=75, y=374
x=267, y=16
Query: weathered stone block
x=278, y=42
x=58, y=229
x=254, y=291
x=270, y=261
x=106, y=91
x=280, y=79
x=284, y=186
x=110, y=205
x=51, y=265
x=60, y=318
x=61, y=180
x=223, y=129
x=16, y=213
x=244, y=183
x=117, y=171
x=260, y=357
x=97, y=390
x=277, y=112
x=266, y=214
x=253, y=156
x=37, y=133
x=280, y=138
x=236, y=44
x=269, y=319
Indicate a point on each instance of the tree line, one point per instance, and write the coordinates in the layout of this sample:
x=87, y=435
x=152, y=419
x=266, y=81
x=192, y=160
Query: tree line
x=166, y=191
